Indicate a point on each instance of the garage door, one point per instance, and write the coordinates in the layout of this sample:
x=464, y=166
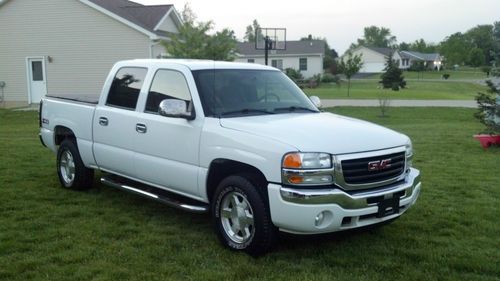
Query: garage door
x=371, y=67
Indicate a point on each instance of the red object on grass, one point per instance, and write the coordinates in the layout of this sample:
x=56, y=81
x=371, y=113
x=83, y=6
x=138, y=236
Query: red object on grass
x=487, y=140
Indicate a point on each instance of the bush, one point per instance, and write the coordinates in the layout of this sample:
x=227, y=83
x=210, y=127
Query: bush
x=294, y=74
x=446, y=76
x=330, y=78
x=489, y=110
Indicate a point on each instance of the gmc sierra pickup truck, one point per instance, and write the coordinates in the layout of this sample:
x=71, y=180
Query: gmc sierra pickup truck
x=239, y=140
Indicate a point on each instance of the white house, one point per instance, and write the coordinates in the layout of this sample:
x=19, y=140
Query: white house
x=306, y=56
x=431, y=61
x=374, y=59
x=68, y=46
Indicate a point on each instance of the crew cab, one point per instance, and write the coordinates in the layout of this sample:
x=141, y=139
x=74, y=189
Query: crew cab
x=239, y=140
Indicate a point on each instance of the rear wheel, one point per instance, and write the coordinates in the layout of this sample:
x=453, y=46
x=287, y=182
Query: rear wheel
x=70, y=168
x=241, y=217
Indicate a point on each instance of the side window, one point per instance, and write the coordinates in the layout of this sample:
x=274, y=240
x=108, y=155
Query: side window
x=303, y=64
x=167, y=84
x=127, y=84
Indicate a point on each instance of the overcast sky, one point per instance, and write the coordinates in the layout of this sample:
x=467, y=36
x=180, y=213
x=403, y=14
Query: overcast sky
x=342, y=21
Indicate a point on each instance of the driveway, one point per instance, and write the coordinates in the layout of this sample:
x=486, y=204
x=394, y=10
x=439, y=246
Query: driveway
x=400, y=103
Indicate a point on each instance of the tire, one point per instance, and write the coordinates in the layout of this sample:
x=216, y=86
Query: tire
x=241, y=217
x=70, y=168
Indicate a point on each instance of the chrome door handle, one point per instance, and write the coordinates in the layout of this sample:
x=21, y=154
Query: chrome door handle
x=141, y=128
x=103, y=121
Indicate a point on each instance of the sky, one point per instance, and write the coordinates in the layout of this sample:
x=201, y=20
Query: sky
x=341, y=22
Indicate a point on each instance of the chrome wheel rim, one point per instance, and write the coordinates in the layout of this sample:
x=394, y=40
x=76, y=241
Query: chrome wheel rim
x=67, y=167
x=237, y=217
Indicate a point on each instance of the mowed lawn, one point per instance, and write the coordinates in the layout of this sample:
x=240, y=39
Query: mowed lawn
x=49, y=233
x=416, y=90
x=464, y=73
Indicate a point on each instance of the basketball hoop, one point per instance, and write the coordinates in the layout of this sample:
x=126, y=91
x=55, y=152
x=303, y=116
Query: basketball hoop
x=270, y=39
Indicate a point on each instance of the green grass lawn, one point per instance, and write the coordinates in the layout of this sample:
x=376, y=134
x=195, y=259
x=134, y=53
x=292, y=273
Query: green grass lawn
x=416, y=90
x=49, y=233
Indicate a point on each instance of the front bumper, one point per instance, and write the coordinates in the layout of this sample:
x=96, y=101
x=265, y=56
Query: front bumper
x=298, y=210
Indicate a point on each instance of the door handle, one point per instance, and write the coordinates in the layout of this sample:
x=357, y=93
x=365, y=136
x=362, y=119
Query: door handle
x=141, y=128
x=103, y=121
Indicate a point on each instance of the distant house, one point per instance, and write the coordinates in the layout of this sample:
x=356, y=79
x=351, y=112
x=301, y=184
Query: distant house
x=68, y=46
x=374, y=59
x=306, y=56
x=430, y=60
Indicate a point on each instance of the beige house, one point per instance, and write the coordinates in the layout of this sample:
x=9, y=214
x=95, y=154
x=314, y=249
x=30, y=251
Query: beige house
x=374, y=59
x=68, y=46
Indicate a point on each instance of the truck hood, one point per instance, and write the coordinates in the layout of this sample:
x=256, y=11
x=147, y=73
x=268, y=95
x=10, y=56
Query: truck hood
x=318, y=132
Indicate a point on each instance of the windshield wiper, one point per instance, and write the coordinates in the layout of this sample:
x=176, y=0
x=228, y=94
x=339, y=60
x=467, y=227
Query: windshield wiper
x=295, y=108
x=246, y=111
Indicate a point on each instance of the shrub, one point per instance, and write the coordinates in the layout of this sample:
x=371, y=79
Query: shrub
x=329, y=78
x=294, y=74
x=446, y=76
x=489, y=109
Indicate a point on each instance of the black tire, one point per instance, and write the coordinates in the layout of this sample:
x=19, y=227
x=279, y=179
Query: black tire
x=77, y=176
x=262, y=231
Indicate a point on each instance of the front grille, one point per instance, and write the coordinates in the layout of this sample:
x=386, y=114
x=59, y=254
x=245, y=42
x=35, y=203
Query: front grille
x=357, y=171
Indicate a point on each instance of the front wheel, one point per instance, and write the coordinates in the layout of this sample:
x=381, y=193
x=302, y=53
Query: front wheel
x=241, y=216
x=70, y=168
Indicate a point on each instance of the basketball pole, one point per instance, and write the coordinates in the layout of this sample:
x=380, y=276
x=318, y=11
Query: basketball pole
x=266, y=48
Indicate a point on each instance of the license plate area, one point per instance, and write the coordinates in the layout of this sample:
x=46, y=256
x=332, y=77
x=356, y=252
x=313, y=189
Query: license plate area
x=387, y=205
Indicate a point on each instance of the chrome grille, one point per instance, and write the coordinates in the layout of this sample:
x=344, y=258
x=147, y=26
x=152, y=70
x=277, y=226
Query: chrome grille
x=373, y=169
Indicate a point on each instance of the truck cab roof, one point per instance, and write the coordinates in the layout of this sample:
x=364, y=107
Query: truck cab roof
x=194, y=64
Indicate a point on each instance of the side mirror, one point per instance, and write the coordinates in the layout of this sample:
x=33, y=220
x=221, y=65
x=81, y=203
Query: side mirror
x=176, y=108
x=316, y=101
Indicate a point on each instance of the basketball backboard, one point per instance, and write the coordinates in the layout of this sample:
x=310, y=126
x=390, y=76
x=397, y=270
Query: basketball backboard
x=276, y=38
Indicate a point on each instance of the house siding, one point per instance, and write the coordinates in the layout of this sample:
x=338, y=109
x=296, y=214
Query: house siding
x=314, y=63
x=82, y=42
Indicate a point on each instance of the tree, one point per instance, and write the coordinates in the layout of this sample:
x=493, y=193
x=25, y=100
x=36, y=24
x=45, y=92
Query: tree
x=481, y=37
x=349, y=66
x=476, y=57
x=455, y=48
x=392, y=78
x=194, y=42
x=251, y=31
x=377, y=37
x=489, y=110
x=422, y=46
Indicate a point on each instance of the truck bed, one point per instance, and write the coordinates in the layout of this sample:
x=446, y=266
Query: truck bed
x=87, y=98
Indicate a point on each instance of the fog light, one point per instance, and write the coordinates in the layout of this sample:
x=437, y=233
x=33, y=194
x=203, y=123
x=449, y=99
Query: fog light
x=319, y=219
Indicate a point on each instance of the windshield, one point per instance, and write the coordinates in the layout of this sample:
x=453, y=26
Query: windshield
x=238, y=92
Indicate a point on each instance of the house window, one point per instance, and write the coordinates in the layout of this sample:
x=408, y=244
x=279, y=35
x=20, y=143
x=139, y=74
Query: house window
x=303, y=64
x=127, y=84
x=277, y=63
x=251, y=60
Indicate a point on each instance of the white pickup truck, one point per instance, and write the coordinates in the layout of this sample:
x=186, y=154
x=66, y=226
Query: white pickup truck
x=239, y=140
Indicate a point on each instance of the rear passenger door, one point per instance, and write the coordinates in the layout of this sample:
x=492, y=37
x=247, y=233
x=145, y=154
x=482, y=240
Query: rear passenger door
x=168, y=148
x=114, y=124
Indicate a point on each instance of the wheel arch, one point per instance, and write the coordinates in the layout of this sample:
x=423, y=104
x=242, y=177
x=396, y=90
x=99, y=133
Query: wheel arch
x=61, y=133
x=221, y=168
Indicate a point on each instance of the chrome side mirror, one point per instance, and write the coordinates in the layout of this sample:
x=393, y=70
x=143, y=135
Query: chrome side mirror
x=316, y=101
x=176, y=108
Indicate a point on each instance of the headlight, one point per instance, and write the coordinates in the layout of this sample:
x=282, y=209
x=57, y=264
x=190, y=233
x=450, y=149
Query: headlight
x=312, y=168
x=409, y=154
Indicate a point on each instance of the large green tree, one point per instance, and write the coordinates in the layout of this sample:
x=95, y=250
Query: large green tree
x=374, y=36
x=194, y=41
x=455, y=48
x=481, y=37
x=349, y=65
x=250, y=33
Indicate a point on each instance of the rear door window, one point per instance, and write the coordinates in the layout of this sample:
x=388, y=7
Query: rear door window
x=126, y=86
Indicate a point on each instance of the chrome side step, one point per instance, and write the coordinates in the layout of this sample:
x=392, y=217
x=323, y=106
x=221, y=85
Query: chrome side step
x=156, y=194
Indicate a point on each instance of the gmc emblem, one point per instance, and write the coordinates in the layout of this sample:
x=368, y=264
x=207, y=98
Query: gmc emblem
x=379, y=165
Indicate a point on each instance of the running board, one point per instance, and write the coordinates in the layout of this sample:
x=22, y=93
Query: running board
x=171, y=200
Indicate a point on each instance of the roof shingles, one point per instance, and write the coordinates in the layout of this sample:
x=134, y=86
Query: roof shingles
x=146, y=17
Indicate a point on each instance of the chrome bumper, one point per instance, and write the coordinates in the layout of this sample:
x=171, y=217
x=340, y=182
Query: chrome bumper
x=357, y=200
